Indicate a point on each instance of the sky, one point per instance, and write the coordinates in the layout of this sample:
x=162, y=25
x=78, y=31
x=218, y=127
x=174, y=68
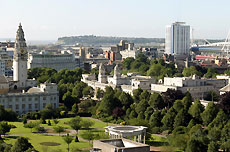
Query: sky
x=50, y=19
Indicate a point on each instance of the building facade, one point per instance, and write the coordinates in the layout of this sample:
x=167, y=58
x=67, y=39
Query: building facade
x=198, y=87
x=55, y=61
x=20, y=93
x=177, y=41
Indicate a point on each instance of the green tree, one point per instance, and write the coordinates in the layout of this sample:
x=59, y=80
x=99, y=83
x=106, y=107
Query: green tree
x=219, y=121
x=86, y=123
x=136, y=94
x=181, y=119
x=195, y=110
x=213, y=147
x=99, y=93
x=88, y=91
x=127, y=63
x=156, y=101
x=168, y=119
x=155, y=119
x=68, y=139
x=75, y=123
x=211, y=73
x=56, y=121
x=58, y=129
x=225, y=132
x=126, y=99
x=31, y=125
x=209, y=113
x=4, y=128
x=75, y=109
x=178, y=105
x=88, y=135
x=191, y=71
x=21, y=145
x=212, y=96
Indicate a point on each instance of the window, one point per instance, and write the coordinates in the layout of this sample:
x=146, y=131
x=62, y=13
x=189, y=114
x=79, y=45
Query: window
x=23, y=106
x=44, y=105
x=17, y=106
x=29, y=99
x=35, y=98
x=44, y=98
x=10, y=106
x=36, y=106
x=30, y=106
x=23, y=99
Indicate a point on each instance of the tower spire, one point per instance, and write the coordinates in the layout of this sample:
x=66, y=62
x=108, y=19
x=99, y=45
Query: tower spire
x=20, y=44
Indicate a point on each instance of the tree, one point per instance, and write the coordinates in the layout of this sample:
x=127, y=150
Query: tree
x=142, y=106
x=224, y=102
x=99, y=93
x=59, y=129
x=219, y=121
x=118, y=112
x=181, y=119
x=155, y=119
x=187, y=72
x=136, y=94
x=212, y=96
x=69, y=100
x=156, y=101
x=127, y=63
x=88, y=135
x=4, y=128
x=195, y=110
x=22, y=144
x=75, y=123
x=56, y=121
x=126, y=99
x=88, y=91
x=75, y=109
x=178, y=105
x=31, y=125
x=211, y=73
x=225, y=132
x=68, y=139
x=77, y=90
x=168, y=119
x=209, y=113
x=197, y=144
x=86, y=123
x=108, y=103
x=170, y=96
x=227, y=72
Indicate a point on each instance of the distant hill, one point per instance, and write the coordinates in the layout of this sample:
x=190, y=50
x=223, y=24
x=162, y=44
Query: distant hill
x=105, y=40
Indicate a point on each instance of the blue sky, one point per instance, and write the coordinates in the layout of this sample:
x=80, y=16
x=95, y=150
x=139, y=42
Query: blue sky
x=50, y=19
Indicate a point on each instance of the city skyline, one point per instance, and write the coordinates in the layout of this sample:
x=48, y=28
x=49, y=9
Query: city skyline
x=48, y=20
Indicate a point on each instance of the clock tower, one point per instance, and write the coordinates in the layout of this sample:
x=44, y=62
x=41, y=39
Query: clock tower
x=20, y=59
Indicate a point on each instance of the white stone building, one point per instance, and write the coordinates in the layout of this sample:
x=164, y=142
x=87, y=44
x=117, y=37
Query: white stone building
x=129, y=53
x=56, y=61
x=13, y=92
x=125, y=83
x=196, y=86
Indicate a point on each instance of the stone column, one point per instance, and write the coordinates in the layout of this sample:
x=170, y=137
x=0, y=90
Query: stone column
x=135, y=138
x=140, y=138
x=144, y=137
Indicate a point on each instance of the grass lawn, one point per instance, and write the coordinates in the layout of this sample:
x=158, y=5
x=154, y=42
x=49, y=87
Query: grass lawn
x=157, y=141
x=20, y=128
x=36, y=139
x=64, y=123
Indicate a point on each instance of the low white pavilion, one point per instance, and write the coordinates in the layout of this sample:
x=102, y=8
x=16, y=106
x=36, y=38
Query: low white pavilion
x=129, y=132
